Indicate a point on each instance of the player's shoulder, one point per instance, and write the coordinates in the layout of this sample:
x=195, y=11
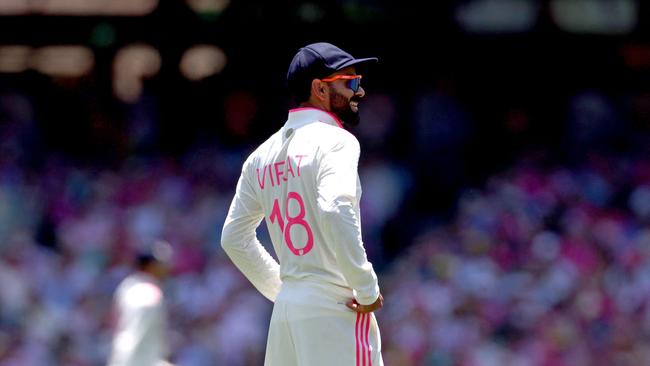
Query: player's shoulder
x=262, y=150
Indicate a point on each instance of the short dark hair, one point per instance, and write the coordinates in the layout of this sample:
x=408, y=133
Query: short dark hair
x=157, y=252
x=143, y=260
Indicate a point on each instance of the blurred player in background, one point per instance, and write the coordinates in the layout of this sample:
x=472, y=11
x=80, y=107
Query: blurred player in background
x=303, y=180
x=139, y=338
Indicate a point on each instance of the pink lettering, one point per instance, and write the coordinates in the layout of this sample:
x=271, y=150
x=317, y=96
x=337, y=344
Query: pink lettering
x=282, y=172
x=299, y=161
x=289, y=169
x=261, y=181
x=278, y=173
x=271, y=176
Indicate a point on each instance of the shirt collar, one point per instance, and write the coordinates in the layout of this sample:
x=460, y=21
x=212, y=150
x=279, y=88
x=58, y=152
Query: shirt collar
x=304, y=115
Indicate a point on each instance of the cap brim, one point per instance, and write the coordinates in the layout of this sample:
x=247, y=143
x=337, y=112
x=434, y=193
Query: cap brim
x=358, y=61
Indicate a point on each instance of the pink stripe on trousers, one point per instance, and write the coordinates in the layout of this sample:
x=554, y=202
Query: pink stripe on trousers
x=367, y=337
x=356, y=336
x=361, y=337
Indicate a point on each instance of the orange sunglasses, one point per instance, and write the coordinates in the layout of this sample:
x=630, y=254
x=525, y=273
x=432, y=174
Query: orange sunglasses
x=354, y=81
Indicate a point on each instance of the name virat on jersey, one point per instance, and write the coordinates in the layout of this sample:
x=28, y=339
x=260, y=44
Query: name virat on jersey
x=281, y=169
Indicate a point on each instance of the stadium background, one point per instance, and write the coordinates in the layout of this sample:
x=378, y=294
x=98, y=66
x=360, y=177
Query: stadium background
x=505, y=171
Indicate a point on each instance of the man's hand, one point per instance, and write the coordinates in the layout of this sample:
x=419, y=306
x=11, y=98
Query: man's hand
x=354, y=305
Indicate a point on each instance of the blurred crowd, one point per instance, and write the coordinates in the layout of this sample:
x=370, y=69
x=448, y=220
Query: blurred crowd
x=543, y=266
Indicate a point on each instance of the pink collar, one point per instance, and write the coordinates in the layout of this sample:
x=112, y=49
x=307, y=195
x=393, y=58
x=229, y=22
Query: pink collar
x=303, y=113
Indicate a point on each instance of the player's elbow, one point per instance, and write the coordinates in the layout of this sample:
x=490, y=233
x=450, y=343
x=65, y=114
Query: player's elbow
x=228, y=238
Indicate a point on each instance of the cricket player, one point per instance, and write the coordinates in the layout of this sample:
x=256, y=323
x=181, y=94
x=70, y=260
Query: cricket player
x=139, y=337
x=304, y=182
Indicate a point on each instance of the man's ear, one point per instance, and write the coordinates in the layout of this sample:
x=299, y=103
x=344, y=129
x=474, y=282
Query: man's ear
x=317, y=89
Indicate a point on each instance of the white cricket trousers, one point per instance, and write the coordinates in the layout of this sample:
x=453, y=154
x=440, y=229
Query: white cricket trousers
x=311, y=326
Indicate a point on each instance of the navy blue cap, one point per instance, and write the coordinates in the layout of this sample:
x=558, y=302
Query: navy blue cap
x=318, y=60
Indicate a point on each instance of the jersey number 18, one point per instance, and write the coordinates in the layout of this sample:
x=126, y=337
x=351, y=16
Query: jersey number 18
x=295, y=220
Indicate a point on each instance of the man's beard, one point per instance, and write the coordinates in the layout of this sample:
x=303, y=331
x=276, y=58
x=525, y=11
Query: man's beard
x=340, y=106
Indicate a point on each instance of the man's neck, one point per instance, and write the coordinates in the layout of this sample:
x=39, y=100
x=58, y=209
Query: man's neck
x=314, y=104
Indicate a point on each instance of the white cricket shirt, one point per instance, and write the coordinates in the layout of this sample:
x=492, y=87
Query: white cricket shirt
x=139, y=337
x=303, y=181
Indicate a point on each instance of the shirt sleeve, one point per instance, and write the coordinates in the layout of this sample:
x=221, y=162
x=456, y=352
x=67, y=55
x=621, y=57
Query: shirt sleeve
x=239, y=241
x=337, y=201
